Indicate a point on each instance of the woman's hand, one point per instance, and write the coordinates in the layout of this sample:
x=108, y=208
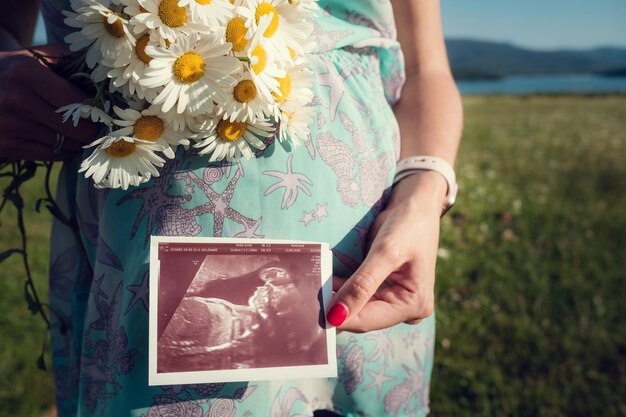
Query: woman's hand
x=30, y=93
x=395, y=282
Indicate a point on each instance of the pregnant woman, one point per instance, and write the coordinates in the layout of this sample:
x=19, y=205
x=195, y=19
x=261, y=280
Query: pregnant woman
x=337, y=188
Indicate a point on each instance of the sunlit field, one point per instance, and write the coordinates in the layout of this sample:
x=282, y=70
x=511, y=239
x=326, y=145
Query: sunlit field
x=531, y=279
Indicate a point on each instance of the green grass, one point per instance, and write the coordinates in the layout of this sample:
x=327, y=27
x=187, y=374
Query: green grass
x=530, y=300
x=530, y=284
x=24, y=389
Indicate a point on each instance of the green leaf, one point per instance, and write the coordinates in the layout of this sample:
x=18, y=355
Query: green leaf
x=4, y=255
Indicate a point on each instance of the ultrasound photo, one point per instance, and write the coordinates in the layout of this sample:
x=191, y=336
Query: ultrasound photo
x=239, y=310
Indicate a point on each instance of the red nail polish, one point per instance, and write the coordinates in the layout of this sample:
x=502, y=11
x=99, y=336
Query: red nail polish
x=337, y=314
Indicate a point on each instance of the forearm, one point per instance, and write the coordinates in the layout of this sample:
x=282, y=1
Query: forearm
x=430, y=115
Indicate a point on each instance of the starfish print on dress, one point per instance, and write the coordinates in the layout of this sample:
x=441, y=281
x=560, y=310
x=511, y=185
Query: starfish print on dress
x=384, y=346
x=140, y=293
x=307, y=217
x=327, y=40
x=321, y=211
x=379, y=379
x=411, y=338
x=250, y=231
x=283, y=408
x=155, y=200
x=291, y=182
x=219, y=205
x=336, y=90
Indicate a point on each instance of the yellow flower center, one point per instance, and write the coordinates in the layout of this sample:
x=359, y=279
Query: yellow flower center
x=204, y=2
x=292, y=52
x=261, y=57
x=245, y=91
x=115, y=29
x=188, y=68
x=140, y=49
x=149, y=128
x=230, y=131
x=284, y=86
x=171, y=14
x=236, y=34
x=263, y=9
x=121, y=149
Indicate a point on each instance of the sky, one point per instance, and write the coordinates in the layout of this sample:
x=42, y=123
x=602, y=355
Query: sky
x=536, y=24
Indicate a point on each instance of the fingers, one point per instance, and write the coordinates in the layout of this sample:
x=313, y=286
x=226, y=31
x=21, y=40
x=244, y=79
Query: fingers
x=375, y=315
x=33, y=141
x=35, y=152
x=359, y=289
x=50, y=87
x=47, y=93
x=85, y=132
x=30, y=94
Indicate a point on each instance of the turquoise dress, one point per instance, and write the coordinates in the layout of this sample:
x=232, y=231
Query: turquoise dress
x=329, y=190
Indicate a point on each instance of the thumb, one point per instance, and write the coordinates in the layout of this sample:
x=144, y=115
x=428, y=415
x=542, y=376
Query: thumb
x=360, y=287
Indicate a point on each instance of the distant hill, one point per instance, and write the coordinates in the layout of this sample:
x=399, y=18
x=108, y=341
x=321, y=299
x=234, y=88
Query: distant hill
x=472, y=59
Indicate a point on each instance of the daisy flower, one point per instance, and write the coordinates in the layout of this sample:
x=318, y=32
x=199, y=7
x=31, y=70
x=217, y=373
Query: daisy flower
x=119, y=161
x=151, y=126
x=232, y=140
x=166, y=16
x=264, y=69
x=237, y=35
x=194, y=71
x=294, y=89
x=212, y=13
x=292, y=100
x=244, y=102
x=128, y=70
x=86, y=110
x=288, y=29
x=101, y=29
x=294, y=125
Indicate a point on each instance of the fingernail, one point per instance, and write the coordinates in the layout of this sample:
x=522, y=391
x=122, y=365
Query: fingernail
x=337, y=314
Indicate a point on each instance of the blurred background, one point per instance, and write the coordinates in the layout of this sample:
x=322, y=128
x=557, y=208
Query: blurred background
x=531, y=279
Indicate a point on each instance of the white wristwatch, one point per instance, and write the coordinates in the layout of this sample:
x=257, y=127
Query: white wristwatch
x=411, y=165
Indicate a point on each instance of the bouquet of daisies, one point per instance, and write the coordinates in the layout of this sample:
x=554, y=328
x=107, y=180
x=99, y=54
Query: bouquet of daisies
x=221, y=76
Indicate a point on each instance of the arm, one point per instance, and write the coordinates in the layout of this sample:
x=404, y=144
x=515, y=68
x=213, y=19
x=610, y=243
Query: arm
x=429, y=113
x=395, y=282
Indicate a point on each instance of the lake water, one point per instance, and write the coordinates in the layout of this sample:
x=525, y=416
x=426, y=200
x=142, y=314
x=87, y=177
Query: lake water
x=550, y=84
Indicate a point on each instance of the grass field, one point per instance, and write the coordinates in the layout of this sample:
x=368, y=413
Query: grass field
x=531, y=279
